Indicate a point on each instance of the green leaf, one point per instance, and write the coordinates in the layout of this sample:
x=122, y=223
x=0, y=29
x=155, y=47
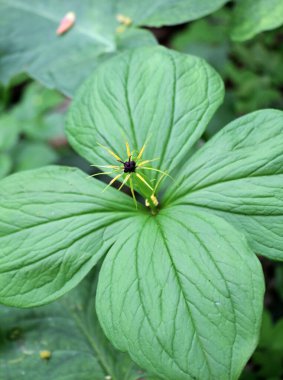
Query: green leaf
x=167, y=12
x=133, y=38
x=70, y=331
x=254, y=16
x=189, y=300
x=149, y=95
x=55, y=225
x=29, y=43
x=238, y=175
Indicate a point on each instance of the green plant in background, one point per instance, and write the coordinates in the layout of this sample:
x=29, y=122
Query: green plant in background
x=254, y=16
x=28, y=129
x=180, y=291
x=251, y=70
x=267, y=361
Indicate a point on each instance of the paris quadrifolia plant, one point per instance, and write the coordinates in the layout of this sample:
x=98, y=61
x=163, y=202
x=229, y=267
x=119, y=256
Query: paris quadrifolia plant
x=181, y=287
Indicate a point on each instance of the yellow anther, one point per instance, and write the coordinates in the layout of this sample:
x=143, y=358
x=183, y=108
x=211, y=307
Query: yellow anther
x=125, y=20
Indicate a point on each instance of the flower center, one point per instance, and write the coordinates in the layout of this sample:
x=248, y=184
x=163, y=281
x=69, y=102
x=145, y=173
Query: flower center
x=129, y=166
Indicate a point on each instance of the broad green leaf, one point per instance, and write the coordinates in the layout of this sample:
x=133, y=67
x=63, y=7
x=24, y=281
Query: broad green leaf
x=189, y=300
x=254, y=16
x=55, y=224
x=167, y=12
x=29, y=43
x=238, y=175
x=149, y=95
x=133, y=38
x=69, y=330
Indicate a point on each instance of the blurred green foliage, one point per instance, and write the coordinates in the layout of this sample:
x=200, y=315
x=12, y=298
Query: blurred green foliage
x=267, y=361
x=252, y=70
x=254, y=16
x=30, y=129
x=279, y=280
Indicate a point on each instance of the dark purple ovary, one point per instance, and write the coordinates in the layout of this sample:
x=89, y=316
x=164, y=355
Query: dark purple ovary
x=129, y=167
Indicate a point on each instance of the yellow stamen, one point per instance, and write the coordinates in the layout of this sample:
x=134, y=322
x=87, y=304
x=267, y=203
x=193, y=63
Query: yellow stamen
x=156, y=170
x=125, y=20
x=125, y=181
x=158, y=182
x=113, y=180
x=101, y=173
x=141, y=152
x=108, y=166
x=128, y=149
x=143, y=180
x=110, y=152
x=147, y=162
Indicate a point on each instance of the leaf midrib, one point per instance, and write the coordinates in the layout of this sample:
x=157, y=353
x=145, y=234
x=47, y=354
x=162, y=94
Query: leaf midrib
x=220, y=273
x=143, y=307
x=183, y=295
